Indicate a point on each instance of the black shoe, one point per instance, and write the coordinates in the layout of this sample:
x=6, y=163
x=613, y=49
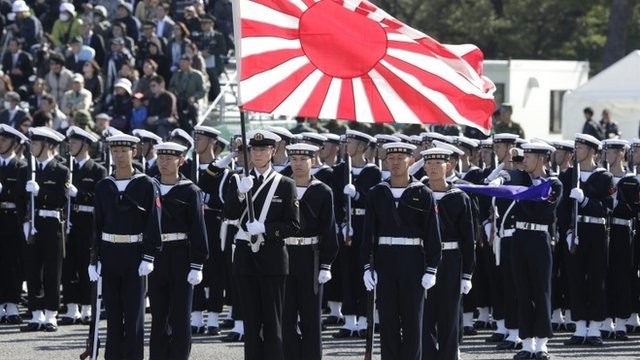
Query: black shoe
x=481, y=324
x=594, y=341
x=509, y=345
x=233, y=337
x=49, y=327
x=362, y=333
x=227, y=324
x=376, y=328
x=3, y=319
x=621, y=336
x=14, y=319
x=576, y=340
x=524, y=355
x=31, y=327
x=631, y=329
x=542, y=355
x=607, y=334
x=197, y=330
x=571, y=327
x=557, y=327
x=496, y=338
x=213, y=330
x=333, y=320
x=346, y=333
x=65, y=320
x=85, y=320
x=469, y=331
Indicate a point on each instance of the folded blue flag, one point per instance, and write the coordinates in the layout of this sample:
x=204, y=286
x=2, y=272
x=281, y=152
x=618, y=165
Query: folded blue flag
x=513, y=192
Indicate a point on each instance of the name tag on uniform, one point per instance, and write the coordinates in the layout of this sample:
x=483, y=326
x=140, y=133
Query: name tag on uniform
x=276, y=199
x=49, y=182
x=12, y=179
x=88, y=179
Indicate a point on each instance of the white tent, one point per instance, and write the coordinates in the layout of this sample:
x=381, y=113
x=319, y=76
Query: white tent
x=616, y=88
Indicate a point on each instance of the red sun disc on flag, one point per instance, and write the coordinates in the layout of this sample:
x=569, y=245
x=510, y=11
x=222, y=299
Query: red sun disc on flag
x=348, y=59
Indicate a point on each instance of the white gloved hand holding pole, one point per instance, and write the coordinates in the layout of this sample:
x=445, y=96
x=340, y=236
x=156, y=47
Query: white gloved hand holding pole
x=370, y=279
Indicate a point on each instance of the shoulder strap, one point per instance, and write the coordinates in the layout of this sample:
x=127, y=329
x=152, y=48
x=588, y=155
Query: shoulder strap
x=269, y=198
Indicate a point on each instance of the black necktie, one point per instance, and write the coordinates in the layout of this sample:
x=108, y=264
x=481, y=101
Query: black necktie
x=76, y=165
x=260, y=179
x=40, y=166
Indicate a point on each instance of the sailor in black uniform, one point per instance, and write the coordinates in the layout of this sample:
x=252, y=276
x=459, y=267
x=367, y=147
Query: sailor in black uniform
x=311, y=253
x=75, y=279
x=148, y=153
x=181, y=137
x=127, y=217
x=280, y=158
x=178, y=267
x=331, y=150
x=45, y=248
x=13, y=208
x=406, y=252
x=320, y=170
x=633, y=322
x=261, y=263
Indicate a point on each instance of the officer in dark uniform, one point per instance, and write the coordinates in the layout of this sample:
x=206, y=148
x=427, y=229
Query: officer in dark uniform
x=587, y=265
x=127, y=216
x=260, y=263
x=406, y=250
x=45, y=248
x=311, y=253
x=457, y=229
x=148, y=154
x=364, y=175
x=178, y=267
x=85, y=175
x=13, y=176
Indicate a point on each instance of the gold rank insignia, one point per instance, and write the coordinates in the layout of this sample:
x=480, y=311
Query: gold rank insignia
x=258, y=136
x=296, y=203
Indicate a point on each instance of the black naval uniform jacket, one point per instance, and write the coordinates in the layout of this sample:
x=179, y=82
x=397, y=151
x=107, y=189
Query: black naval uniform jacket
x=53, y=181
x=85, y=180
x=13, y=178
x=282, y=221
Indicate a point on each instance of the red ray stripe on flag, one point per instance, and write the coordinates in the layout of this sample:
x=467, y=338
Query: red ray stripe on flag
x=313, y=105
x=309, y=3
x=283, y=6
x=252, y=28
x=346, y=104
x=379, y=108
x=256, y=64
x=270, y=99
x=413, y=47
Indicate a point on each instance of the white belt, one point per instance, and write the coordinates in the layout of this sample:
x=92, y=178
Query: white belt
x=507, y=233
x=302, y=240
x=389, y=240
x=357, y=211
x=7, y=205
x=83, y=208
x=521, y=225
x=450, y=245
x=121, y=239
x=592, y=220
x=619, y=221
x=242, y=235
x=49, y=214
x=174, y=236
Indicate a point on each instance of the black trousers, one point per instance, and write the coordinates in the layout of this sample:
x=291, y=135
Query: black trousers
x=480, y=294
x=505, y=305
x=44, y=265
x=441, y=320
x=75, y=278
x=123, y=293
x=531, y=255
x=354, y=295
x=215, y=271
x=170, y=296
x=11, y=264
x=302, y=297
x=620, y=274
x=587, y=272
x=559, y=274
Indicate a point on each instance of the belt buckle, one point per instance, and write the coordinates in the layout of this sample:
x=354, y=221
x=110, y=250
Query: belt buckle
x=299, y=241
x=165, y=237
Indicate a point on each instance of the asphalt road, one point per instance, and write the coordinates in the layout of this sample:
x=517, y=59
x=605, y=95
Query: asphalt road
x=68, y=343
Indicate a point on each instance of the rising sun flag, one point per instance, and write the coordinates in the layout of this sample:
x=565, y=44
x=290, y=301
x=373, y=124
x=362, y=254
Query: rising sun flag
x=348, y=59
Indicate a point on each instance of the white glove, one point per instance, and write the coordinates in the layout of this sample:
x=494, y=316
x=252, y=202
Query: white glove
x=465, y=286
x=577, y=194
x=370, y=279
x=428, y=280
x=225, y=161
x=32, y=187
x=245, y=184
x=344, y=231
x=0, y=187
x=255, y=228
x=26, y=228
x=145, y=268
x=496, y=182
x=72, y=190
x=350, y=190
x=570, y=239
x=94, y=273
x=195, y=277
x=487, y=230
x=324, y=276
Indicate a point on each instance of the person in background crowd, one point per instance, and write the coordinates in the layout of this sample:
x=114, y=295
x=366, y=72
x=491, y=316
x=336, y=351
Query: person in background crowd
x=146, y=10
x=59, y=78
x=94, y=82
x=124, y=15
x=162, y=108
x=18, y=64
x=66, y=27
x=591, y=127
x=26, y=26
x=120, y=106
x=609, y=127
x=12, y=113
x=138, y=112
x=94, y=40
x=504, y=123
x=78, y=98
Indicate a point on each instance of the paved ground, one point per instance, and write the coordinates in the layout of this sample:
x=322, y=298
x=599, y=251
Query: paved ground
x=68, y=343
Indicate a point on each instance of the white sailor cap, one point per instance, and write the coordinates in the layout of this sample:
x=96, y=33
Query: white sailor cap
x=78, y=133
x=537, y=148
x=44, y=133
x=358, y=135
x=206, y=131
x=170, y=148
x=302, y=149
x=6, y=130
x=436, y=154
x=615, y=144
x=110, y=131
x=399, y=148
x=262, y=138
x=123, y=140
x=566, y=145
x=442, y=145
x=283, y=133
x=588, y=140
x=505, y=138
x=332, y=138
x=183, y=136
x=313, y=138
x=486, y=144
x=520, y=142
x=382, y=139
x=147, y=136
x=462, y=141
x=430, y=136
x=404, y=138
x=517, y=154
x=540, y=140
x=415, y=139
x=635, y=142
